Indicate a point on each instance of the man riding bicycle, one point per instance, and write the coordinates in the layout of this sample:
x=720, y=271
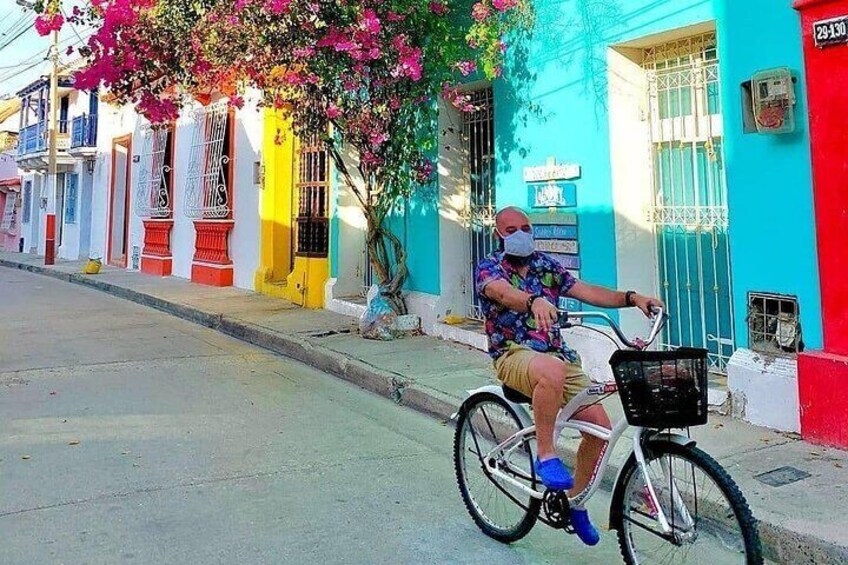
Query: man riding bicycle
x=519, y=290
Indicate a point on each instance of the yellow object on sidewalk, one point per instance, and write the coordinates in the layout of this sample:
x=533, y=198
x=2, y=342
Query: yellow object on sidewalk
x=92, y=267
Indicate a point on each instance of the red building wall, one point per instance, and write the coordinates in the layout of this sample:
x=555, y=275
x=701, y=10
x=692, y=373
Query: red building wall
x=823, y=376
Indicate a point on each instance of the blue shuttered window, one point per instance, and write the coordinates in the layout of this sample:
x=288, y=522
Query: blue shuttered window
x=27, y=203
x=71, y=198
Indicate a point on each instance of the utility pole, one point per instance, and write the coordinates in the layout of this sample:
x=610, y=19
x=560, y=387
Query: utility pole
x=52, y=132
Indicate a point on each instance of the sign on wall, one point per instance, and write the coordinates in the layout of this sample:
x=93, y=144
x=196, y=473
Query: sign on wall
x=833, y=31
x=551, y=171
x=556, y=230
x=552, y=194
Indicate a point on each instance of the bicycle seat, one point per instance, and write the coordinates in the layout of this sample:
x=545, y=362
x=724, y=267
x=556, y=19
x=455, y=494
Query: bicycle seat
x=514, y=396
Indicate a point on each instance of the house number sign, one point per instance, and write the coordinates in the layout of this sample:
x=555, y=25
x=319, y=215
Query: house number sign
x=831, y=32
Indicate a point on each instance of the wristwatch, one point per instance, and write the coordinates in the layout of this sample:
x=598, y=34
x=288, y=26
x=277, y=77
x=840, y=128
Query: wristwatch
x=531, y=299
x=628, y=298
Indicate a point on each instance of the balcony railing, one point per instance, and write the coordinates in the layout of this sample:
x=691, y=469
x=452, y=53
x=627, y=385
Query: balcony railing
x=33, y=139
x=84, y=131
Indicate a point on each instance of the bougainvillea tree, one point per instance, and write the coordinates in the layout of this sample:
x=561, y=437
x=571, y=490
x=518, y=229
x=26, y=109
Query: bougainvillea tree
x=364, y=76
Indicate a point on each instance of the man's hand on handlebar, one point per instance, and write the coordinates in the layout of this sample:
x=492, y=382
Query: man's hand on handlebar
x=546, y=314
x=646, y=304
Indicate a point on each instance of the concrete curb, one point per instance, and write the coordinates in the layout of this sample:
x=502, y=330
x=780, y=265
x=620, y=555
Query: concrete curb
x=779, y=544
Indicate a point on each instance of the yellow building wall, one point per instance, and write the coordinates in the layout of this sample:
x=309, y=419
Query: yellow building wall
x=281, y=274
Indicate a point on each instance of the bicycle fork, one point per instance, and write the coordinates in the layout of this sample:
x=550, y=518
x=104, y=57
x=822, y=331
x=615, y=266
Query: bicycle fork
x=678, y=506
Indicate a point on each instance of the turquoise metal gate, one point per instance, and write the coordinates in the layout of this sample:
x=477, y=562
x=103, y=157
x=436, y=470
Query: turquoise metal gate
x=689, y=211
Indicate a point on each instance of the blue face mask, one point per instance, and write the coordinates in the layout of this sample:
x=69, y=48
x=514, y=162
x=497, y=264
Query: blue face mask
x=519, y=244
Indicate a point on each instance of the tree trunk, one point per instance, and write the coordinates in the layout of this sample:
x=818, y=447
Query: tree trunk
x=390, y=269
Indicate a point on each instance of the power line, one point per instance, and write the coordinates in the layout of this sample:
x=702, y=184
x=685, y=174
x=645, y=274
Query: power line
x=9, y=13
x=20, y=33
x=10, y=75
x=25, y=19
x=44, y=52
x=19, y=73
x=73, y=26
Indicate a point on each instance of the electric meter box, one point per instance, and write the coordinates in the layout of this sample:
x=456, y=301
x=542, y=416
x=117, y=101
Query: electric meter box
x=773, y=93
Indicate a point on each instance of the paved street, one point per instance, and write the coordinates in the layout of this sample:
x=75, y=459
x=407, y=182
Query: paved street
x=195, y=448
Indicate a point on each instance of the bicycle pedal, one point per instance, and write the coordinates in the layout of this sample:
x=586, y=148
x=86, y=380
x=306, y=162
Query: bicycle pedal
x=557, y=508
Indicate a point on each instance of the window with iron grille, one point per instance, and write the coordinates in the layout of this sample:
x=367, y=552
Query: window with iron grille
x=153, y=193
x=8, y=224
x=774, y=324
x=27, y=203
x=208, y=182
x=313, y=187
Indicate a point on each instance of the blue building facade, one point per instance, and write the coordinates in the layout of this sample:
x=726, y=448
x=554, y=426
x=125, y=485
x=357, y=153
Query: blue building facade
x=623, y=127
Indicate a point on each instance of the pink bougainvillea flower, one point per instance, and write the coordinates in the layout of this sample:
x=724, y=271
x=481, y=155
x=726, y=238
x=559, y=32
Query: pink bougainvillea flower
x=480, y=12
x=370, y=22
x=47, y=23
x=439, y=8
x=277, y=7
x=423, y=171
x=504, y=5
x=333, y=112
x=466, y=67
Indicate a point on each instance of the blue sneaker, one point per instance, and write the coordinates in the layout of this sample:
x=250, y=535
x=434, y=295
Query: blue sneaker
x=583, y=526
x=554, y=474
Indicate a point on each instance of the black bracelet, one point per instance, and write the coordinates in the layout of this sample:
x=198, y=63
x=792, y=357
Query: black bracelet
x=530, y=300
x=628, y=298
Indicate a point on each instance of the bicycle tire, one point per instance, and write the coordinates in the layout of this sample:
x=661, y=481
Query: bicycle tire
x=523, y=526
x=700, y=459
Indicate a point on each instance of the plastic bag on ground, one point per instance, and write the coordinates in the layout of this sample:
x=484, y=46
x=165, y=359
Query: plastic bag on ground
x=378, y=320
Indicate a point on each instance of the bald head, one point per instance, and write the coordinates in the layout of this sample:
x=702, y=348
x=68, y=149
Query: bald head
x=511, y=219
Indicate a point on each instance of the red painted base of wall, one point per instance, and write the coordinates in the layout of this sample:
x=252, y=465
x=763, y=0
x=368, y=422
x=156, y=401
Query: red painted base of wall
x=212, y=275
x=159, y=266
x=823, y=396
x=212, y=264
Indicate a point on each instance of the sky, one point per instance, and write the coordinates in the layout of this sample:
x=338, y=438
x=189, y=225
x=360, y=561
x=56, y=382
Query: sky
x=23, y=59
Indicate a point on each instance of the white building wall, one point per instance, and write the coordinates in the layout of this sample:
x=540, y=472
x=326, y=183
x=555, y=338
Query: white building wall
x=457, y=288
x=632, y=187
x=29, y=230
x=182, y=235
x=244, y=239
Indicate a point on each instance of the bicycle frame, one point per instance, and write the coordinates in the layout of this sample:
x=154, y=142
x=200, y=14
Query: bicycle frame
x=610, y=436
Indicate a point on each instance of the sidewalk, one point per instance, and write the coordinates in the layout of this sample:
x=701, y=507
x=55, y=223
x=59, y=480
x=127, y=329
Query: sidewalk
x=801, y=522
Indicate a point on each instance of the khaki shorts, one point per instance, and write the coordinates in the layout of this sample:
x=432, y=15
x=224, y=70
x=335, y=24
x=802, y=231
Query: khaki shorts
x=513, y=370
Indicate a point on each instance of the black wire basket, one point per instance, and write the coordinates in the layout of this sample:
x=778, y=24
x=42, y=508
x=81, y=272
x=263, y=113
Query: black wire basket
x=662, y=389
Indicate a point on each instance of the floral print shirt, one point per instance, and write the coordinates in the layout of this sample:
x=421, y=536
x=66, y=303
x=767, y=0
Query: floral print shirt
x=505, y=327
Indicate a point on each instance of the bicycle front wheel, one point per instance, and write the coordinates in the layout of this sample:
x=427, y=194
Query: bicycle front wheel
x=501, y=510
x=709, y=517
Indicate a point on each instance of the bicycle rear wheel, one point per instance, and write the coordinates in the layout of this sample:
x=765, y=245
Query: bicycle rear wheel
x=710, y=518
x=501, y=510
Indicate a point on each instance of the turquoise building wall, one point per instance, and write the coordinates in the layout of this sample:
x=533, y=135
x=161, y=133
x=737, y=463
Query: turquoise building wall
x=564, y=74
x=562, y=71
x=772, y=238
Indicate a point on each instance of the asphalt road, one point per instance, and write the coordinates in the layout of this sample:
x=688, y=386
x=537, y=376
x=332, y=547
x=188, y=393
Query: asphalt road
x=129, y=436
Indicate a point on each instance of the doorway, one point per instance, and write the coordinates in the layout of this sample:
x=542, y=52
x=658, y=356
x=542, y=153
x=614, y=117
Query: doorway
x=60, y=208
x=689, y=211
x=479, y=139
x=119, y=205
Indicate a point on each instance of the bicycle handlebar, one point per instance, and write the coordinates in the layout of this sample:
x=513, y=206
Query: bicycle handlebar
x=659, y=318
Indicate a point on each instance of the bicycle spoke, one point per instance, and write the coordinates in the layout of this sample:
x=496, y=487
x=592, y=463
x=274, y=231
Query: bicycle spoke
x=683, y=493
x=486, y=426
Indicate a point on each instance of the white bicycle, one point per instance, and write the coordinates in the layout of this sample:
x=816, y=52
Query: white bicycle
x=671, y=502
